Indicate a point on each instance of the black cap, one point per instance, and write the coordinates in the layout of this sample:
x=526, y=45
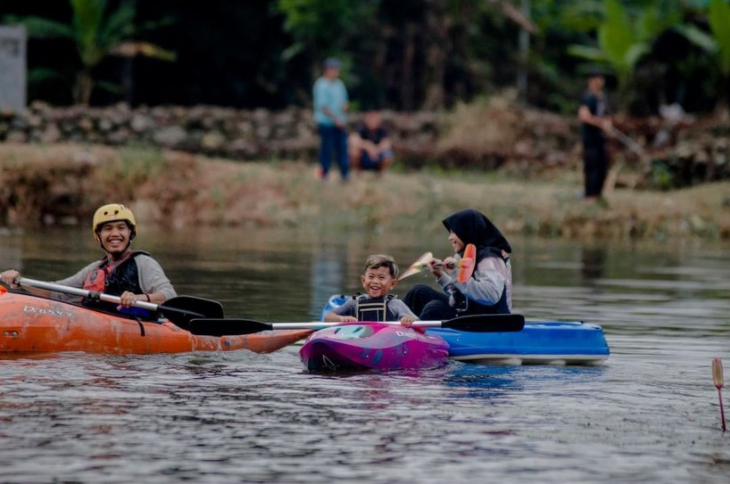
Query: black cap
x=594, y=71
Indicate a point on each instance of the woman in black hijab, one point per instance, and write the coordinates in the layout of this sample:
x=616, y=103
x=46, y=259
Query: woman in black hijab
x=488, y=291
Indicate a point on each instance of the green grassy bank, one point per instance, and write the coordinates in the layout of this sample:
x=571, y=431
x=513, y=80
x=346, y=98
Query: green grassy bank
x=63, y=184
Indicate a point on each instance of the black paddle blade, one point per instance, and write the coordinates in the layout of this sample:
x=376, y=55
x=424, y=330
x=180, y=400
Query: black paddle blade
x=486, y=323
x=206, y=307
x=226, y=327
x=182, y=309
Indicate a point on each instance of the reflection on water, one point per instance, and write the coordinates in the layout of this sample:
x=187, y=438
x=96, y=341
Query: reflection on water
x=329, y=264
x=592, y=263
x=650, y=414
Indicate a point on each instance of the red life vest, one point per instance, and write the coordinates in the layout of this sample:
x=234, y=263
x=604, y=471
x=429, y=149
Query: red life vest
x=115, y=277
x=98, y=279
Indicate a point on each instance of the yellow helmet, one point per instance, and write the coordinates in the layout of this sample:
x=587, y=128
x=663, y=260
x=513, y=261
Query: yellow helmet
x=114, y=212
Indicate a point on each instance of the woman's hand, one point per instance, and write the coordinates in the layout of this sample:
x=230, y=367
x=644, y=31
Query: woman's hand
x=348, y=319
x=435, y=265
x=450, y=264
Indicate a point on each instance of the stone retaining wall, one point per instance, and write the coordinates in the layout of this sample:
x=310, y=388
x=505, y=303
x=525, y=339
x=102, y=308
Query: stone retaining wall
x=526, y=142
x=213, y=131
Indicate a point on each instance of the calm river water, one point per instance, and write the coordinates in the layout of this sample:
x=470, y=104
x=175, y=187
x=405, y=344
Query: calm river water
x=650, y=414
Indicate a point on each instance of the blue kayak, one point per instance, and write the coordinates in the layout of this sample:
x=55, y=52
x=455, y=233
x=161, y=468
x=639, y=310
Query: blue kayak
x=540, y=342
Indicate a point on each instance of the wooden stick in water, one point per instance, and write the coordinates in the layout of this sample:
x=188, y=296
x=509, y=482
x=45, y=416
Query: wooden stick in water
x=717, y=378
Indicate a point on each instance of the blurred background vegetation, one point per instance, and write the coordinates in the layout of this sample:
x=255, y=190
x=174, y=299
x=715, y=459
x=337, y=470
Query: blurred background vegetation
x=404, y=55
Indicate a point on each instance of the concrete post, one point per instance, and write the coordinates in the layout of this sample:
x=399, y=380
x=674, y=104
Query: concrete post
x=12, y=68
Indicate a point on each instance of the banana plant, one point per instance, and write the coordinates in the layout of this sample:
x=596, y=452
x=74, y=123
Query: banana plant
x=623, y=39
x=97, y=33
x=321, y=27
x=717, y=44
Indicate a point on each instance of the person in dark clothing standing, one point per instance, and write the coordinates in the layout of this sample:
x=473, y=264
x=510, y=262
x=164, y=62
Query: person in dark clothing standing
x=488, y=291
x=595, y=127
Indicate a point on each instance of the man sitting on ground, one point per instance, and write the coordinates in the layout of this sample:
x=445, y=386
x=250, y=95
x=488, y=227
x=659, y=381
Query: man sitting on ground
x=370, y=145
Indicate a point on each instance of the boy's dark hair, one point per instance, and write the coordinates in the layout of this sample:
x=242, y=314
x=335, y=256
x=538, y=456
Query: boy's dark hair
x=381, y=260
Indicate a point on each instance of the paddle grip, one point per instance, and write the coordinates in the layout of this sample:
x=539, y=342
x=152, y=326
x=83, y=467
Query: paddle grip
x=450, y=265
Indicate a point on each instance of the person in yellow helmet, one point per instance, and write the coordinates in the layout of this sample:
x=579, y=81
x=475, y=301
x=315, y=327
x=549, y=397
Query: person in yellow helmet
x=131, y=275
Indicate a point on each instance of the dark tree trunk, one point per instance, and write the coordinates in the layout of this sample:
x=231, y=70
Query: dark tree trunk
x=407, y=83
x=437, y=50
x=84, y=86
x=128, y=80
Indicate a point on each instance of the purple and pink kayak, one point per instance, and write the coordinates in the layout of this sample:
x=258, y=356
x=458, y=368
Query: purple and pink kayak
x=372, y=346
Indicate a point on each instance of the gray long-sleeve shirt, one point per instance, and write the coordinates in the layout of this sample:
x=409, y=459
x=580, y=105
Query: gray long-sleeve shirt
x=151, y=278
x=491, y=277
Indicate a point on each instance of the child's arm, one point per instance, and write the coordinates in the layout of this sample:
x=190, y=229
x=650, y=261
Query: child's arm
x=406, y=316
x=331, y=317
x=408, y=321
x=342, y=314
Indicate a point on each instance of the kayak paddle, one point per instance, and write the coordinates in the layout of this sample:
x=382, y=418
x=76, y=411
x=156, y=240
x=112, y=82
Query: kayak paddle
x=180, y=310
x=479, y=323
x=717, y=378
x=420, y=264
x=465, y=264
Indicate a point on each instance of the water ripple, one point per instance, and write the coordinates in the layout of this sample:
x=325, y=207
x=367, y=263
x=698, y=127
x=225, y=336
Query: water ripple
x=650, y=414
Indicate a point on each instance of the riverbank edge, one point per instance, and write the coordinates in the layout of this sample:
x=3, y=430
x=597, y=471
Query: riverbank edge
x=63, y=184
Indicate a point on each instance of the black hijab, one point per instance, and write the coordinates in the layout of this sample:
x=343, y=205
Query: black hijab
x=473, y=227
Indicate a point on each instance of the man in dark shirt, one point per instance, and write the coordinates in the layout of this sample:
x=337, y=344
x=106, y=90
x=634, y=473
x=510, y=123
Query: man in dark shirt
x=370, y=146
x=595, y=126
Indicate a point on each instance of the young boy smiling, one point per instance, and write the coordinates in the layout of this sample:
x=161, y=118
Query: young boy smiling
x=378, y=279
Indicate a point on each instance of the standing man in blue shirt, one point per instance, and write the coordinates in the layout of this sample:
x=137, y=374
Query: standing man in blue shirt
x=330, y=114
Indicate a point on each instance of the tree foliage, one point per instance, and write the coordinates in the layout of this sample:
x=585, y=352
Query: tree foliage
x=716, y=42
x=322, y=28
x=97, y=33
x=624, y=39
x=400, y=54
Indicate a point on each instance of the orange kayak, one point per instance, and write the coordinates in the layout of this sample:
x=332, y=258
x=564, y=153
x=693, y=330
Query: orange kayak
x=31, y=324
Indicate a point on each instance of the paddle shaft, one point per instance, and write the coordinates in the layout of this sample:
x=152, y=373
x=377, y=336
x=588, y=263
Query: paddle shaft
x=179, y=310
x=628, y=142
x=719, y=381
x=480, y=323
x=419, y=266
x=722, y=410
x=475, y=323
x=74, y=291
x=328, y=324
